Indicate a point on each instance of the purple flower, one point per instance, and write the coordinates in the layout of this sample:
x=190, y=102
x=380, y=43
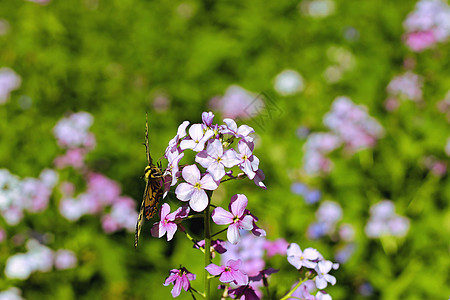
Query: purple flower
x=167, y=223
x=304, y=290
x=229, y=273
x=216, y=245
x=198, y=138
x=299, y=258
x=236, y=219
x=322, y=269
x=207, y=118
x=214, y=159
x=245, y=292
x=193, y=189
x=65, y=259
x=173, y=143
x=182, y=278
x=259, y=177
x=173, y=159
x=249, y=162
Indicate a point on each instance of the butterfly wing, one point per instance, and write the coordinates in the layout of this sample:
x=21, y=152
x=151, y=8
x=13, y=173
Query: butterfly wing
x=149, y=206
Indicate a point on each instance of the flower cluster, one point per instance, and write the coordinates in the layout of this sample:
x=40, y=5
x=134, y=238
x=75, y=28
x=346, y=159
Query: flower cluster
x=427, y=25
x=30, y=194
x=407, y=86
x=101, y=194
x=242, y=270
x=328, y=215
x=9, y=81
x=385, y=222
x=319, y=268
x=38, y=258
x=72, y=134
x=350, y=125
x=237, y=103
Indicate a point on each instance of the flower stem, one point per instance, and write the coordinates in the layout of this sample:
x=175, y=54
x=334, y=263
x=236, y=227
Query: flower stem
x=219, y=232
x=295, y=287
x=207, y=245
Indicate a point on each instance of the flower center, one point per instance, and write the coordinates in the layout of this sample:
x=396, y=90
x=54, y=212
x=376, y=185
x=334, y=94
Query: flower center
x=219, y=159
x=198, y=186
x=235, y=219
x=245, y=157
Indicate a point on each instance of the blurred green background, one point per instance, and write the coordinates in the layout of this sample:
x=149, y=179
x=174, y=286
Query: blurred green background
x=114, y=58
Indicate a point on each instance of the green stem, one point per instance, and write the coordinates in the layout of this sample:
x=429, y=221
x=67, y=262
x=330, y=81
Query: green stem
x=293, y=290
x=192, y=240
x=207, y=246
x=192, y=289
x=219, y=232
x=193, y=217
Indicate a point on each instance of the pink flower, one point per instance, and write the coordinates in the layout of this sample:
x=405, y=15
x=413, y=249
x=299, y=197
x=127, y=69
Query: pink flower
x=181, y=279
x=65, y=259
x=229, y=273
x=237, y=219
x=193, y=189
x=214, y=159
x=420, y=40
x=167, y=223
x=216, y=245
x=278, y=246
x=299, y=258
x=207, y=118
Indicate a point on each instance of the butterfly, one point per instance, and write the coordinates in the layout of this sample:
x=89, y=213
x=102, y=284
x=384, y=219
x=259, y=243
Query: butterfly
x=153, y=192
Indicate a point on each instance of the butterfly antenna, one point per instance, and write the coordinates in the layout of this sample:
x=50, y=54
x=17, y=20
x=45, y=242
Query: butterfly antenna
x=147, y=149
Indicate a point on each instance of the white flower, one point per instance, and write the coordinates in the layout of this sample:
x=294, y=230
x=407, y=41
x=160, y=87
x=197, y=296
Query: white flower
x=322, y=269
x=289, y=82
x=297, y=258
x=18, y=267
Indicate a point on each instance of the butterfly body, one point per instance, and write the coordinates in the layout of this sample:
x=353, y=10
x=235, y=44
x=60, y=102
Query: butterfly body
x=153, y=192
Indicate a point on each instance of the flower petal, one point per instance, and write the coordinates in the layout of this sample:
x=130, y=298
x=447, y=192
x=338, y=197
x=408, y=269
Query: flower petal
x=321, y=283
x=214, y=270
x=231, y=124
x=233, y=234
x=246, y=223
x=222, y=217
x=294, y=250
x=215, y=149
x=191, y=174
x=216, y=170
x=204, y=159
x=295, y=261
x=230, y=158
x=239, y=277
x=184, y=191
x=199, y=200
x=182, y=129
x=312, y=254
x=176, y=288
x=196, y=132
x=208, y=183
x=187, y=144
x=244, y=130
x=165, y=210
x=238, y=204
x=171, y=228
